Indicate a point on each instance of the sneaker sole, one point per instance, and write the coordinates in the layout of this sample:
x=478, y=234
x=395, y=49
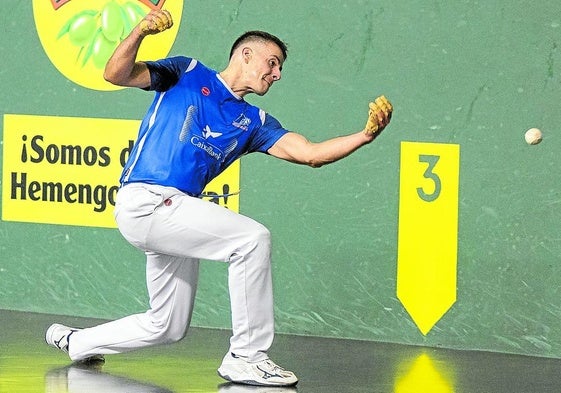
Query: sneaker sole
x=253, y=382
x=92, y=360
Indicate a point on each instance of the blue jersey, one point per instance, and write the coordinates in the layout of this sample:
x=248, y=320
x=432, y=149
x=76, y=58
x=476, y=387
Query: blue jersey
x=195, y=127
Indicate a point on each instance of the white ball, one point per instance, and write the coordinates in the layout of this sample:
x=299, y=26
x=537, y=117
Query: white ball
x=533, y=136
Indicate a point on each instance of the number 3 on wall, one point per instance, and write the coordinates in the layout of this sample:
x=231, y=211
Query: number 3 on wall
x=428, y=230
x=429, y=174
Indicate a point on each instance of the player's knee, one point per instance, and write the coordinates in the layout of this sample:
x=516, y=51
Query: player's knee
x=169, y=334
x=262, y=235
x=175, y=335
x=169, y=330
x=256, y=241
x=259, y=238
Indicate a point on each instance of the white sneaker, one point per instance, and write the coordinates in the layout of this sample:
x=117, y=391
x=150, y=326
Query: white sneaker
x=264, y=373
x=58, y=336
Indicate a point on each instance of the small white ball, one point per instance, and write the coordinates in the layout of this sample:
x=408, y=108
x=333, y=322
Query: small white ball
x=533, y=136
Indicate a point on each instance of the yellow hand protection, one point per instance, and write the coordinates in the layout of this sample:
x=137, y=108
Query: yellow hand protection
x=156, y=22
x=379, y=115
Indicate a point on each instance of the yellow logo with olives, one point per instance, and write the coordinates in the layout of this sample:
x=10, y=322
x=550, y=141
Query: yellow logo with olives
x=79, y=36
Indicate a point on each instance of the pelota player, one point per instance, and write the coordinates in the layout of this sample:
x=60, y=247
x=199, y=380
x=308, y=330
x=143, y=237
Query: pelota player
x=197, y=125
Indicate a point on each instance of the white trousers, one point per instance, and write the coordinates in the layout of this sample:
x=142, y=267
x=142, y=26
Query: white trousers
x=175, y=231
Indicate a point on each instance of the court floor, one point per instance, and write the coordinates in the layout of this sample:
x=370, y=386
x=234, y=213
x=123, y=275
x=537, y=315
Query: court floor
x=323, y=365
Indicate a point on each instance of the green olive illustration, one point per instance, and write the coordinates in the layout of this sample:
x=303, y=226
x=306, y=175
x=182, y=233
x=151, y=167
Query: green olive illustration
x=102, y=49
x=134, y=12
x=112, y=21
x=80, y=24
x=82, y=30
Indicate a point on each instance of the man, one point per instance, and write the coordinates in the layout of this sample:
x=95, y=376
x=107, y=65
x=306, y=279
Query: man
x=197, y=125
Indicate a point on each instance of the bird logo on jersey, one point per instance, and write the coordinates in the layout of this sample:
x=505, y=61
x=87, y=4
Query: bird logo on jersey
x=209, y=133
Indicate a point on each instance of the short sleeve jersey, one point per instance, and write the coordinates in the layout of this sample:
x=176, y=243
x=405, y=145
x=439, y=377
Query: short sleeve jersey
x=195, y=128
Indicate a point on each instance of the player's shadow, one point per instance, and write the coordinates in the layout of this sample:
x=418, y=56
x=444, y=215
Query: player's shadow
x=88, y=377
x=85, y=378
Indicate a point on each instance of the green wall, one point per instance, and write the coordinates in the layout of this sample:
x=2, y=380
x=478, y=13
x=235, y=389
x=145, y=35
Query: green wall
x=476, y=74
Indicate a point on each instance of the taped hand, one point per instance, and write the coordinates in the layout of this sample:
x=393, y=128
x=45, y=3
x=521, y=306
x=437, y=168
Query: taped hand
x=155, y=22
x=379, y=115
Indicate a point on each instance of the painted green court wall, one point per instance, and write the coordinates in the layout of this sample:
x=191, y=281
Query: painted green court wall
x=473, y=73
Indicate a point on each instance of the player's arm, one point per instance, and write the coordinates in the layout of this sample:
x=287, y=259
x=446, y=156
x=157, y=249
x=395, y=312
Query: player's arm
x=122, y=69
x=296, y=148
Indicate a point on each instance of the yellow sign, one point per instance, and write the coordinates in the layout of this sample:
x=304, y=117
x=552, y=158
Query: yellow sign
x=65, y=170
x=79, y=36
x=428, y=230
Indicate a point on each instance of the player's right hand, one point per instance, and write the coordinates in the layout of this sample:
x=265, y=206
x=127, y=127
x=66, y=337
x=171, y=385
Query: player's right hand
x=155, y=22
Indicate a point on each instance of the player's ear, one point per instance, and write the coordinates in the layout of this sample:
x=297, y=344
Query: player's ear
x=247, y=52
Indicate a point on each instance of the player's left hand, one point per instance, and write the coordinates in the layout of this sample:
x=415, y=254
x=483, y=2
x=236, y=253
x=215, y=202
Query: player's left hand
x=155, y=22
x=379, y=116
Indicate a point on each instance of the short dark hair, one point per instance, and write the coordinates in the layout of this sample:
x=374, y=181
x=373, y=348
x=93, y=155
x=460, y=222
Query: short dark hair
x=258, y=35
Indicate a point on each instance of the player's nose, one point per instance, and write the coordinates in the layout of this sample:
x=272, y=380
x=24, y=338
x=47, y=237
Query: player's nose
x=276, y=75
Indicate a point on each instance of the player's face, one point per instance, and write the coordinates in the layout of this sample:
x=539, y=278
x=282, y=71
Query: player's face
x=266, y=67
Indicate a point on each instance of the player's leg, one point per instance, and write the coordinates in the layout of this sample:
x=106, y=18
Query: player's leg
x=172, y=285
x=207, y=231
x=187, y=226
